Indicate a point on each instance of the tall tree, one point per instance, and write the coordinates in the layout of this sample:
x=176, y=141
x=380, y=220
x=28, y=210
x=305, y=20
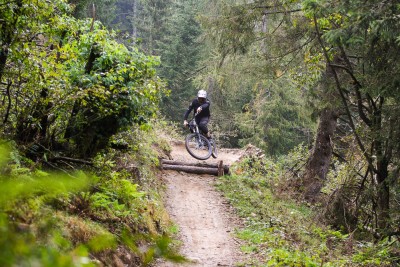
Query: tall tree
x=356, y=45
x=169, y=30
x=364, y=40
x=256, y=40
x=58, y=65
x=102, y=10
x=23, y=50
x=180, y=54
x=144, y=22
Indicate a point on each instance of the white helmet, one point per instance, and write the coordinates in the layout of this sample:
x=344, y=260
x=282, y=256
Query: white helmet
x=202, y=94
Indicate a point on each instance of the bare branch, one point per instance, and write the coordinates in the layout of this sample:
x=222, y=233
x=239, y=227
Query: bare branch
x=282, y=12
x=81, y=161
x=296, y=49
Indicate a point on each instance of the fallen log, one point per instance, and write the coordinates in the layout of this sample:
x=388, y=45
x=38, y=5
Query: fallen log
x=191, y=169
x=218, y=165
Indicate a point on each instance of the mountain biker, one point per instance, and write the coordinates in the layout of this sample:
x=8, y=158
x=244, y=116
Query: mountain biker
x=201, y=107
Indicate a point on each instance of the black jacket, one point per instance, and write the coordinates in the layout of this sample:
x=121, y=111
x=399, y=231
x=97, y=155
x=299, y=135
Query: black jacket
x=205, y=112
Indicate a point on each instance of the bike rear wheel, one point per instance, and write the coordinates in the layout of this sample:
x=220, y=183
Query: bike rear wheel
x=198, y=146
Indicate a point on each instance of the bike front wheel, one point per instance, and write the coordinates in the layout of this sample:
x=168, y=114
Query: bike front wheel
x=198, y=146
x=214, y=151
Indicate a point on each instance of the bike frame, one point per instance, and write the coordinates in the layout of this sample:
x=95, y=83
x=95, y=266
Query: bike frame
x=195, y=128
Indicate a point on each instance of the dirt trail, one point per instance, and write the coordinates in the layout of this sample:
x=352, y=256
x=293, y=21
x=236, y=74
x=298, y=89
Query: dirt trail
x=205, y=220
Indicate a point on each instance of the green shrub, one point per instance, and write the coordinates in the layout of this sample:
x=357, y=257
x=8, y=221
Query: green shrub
x=28, y=232
x=281, y=231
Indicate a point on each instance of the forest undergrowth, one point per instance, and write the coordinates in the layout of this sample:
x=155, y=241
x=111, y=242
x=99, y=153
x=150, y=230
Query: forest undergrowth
x=108, y=213
x=111, y=212
x=281, y=229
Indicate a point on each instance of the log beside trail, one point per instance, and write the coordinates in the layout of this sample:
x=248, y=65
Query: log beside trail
x=218, y=169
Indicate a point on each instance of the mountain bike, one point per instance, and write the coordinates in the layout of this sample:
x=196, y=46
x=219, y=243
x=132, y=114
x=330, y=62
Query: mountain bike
x=199, y=146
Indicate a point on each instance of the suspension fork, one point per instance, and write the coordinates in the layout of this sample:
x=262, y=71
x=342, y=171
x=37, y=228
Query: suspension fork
x=198, y=132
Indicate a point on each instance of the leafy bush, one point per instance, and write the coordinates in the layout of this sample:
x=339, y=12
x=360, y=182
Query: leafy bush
x=280, y=231
x=69, y=219
x=70, y=84
x=28, y=231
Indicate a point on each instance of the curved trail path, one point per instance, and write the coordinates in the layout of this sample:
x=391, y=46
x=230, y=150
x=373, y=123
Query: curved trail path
x=205, y=221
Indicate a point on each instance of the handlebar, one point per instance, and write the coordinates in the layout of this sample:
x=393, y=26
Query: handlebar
x=188, y=124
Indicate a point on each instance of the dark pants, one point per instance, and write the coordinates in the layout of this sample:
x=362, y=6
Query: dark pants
x=202, y=123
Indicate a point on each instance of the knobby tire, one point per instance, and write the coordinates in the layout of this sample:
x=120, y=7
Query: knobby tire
x=195, y=150
x=214, y=151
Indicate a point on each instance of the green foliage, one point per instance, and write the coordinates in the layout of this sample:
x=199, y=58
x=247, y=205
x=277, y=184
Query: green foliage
x=230, y=88
x=58, y=220
x=271, y=63
x=362, y=50
x=281, y=231
x=82, y=84
x=116, y=197
x=160, y=247
x=120, y=89
x=147, y=143
x=105, y=10
x=253, y=55
x=180, y=40
x=102, y=242
x=22, y=205
x=233, y=28
x=277, y=119
x=282, y=257
x=127, y=192
x=375, y=254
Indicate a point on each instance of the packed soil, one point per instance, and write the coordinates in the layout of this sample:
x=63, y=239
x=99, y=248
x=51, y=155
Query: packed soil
x=204, y=218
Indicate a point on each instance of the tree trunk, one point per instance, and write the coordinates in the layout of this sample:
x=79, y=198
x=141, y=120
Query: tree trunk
x=383, y=199
x=3, y=59
x=382, y=172
x=383, y=152
x=318, y=163
x=134, y=19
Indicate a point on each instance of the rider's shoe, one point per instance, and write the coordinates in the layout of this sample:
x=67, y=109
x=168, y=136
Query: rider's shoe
x=207, y=135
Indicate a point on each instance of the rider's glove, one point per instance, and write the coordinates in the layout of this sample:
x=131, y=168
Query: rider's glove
x=185, y=122
x=199, y=109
